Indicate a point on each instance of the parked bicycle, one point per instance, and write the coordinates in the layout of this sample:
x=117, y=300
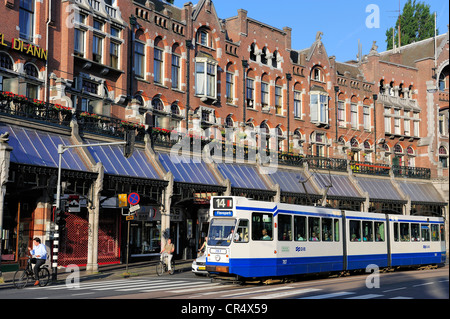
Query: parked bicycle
x=21, y=277
x=163, y=267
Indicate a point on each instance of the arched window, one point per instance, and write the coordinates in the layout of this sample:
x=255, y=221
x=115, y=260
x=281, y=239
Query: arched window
x=253, y=52
x=264, y=56
x=158, y=105
x=229, y=121
x=5, y=61
x=278, y=97
x=158, y=61
x=31, y=70
x=317, y=74
x=176, y=67
x=275, y=59
x=382, y=89
x=443, y=156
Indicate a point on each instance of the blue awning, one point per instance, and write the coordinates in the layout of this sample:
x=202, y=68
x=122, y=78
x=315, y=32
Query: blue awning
x=292, y=182
x=188, y=170
x=421, y=192
x=379, y=189
x=242, y=176
x=341, y=186
x=40, y=148
x=115, y=163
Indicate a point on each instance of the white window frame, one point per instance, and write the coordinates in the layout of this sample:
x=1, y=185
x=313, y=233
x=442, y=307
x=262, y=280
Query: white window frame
x=366, y=117
x=142, y=60
x=319, y=111
x=158, y=65
x=206, y=81
x=354, y=115
x=297, y=104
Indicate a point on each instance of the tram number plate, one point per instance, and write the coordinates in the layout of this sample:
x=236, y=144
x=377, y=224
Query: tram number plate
x=223, y=203
x=218, y=251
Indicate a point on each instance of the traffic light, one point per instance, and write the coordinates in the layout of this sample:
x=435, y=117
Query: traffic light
x=60, y=218
x=128, y=149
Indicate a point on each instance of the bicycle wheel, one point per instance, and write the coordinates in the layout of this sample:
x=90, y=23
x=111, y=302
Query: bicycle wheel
x=159, y=268
x=20, y=279
x=172, y=271
x=44, y=277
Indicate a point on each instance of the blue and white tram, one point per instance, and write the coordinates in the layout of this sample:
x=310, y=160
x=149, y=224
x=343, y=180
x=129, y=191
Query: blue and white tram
x=252, y=239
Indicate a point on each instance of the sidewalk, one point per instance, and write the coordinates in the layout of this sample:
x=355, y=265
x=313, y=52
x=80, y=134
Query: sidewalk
x=109, y=272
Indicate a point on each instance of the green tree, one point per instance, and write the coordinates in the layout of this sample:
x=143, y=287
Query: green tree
x=417, y=23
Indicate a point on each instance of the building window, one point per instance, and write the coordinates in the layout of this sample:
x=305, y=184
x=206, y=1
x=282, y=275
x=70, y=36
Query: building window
x=230, y=86
x=32, y=91
x=387, y=120
x=341, y=113
x=318, y=147
x=139, y=60
x=114, y=55
x=250, y=93
x=366, y=117
x=253, y=52
x=79, y=42
x=317, y=74
x=205, y=79
x=158, y=62
x=278, y=99
x=264, y=95
x=97, y=48
x=397, y=128
x=176, y=71
x=264, y=56
x=115, y=32
x=297, y=104
x=31, y=70
x=443, y=156
x=26, y=19
x=275, y=59
x=90, y=87
x=5, y=61
x=229, y=121
x=354, y=116
x=407, y=127
x=319, y=108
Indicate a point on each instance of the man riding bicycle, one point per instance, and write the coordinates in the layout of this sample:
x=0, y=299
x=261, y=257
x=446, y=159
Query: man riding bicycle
x=168, y=249
x=40, y=253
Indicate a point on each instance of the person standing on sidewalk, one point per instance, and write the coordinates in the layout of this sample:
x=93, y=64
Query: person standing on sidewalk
x=40, y=256
x=168, y=249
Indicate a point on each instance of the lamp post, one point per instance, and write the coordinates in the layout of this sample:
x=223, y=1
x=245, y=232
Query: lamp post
x=188, y=82
x=128, y=151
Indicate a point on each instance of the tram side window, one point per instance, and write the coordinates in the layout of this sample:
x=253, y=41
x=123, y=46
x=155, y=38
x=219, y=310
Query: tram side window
x=284, y=227
x=367, y=231
x=415, y=232
x=434, y=232
x=379, y=231
x=327, y=229
x=442, y=233
x=404, y=232
x=425, y=232
x=396, y=238
x=242, y=232
x=355, y=230
x=336, y=230
x=314, y=228
x=262, y=228
x=300, y=228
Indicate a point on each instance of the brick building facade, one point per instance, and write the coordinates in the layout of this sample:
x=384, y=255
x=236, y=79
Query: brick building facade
x=87, y=69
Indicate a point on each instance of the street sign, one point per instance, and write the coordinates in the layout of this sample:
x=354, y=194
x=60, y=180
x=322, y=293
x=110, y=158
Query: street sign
x=131, y=217
x=123, y=200
x=74, y=204
x=134, y=199
x=134, y=208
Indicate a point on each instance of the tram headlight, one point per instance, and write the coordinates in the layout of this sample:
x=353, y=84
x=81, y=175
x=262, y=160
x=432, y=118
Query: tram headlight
x=217, y=257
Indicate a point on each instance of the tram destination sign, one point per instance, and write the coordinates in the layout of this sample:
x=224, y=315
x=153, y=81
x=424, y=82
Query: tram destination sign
x=223, y=203
x=223, y=213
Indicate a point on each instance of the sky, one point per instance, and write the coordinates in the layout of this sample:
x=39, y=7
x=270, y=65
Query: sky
x=343, y=23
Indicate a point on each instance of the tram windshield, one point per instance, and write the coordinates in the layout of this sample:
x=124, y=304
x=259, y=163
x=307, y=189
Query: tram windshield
x=221, y=232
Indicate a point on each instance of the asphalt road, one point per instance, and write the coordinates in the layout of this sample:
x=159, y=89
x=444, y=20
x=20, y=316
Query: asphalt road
x=412, y=284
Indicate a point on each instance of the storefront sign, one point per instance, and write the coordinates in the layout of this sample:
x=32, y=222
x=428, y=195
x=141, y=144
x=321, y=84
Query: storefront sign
x=24, y=47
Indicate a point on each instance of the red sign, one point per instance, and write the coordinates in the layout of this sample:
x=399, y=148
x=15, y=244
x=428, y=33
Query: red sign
x=134, y=199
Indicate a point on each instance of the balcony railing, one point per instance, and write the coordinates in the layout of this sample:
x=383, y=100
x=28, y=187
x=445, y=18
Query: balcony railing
x=411, y=172
x=32, y=109
x=19, y=106
x=369, y=168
